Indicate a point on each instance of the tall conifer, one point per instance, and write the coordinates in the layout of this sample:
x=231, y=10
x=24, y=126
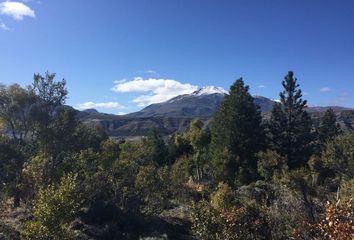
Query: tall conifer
x=237, y=130
x=290, y=126
x=329, y=128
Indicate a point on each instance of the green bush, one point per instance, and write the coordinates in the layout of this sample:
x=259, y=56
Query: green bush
x=207, y=223
x=222, y=199
x=271, y=166
x=152, y=184
x=338, y=156
x=53, y=211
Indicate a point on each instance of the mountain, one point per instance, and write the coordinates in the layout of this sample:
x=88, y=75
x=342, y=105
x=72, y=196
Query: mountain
x=91, y=110
x=264, y=103
x=201, y=103
x=176, y=114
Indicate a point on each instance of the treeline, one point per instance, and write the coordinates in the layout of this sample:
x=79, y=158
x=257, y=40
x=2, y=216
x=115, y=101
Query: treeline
x=239, y=177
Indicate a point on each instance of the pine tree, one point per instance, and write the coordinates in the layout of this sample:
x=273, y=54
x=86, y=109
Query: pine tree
x=156, y=147
x=329, y=128
x=276, y=126
x=237, y=129
x=290, y=125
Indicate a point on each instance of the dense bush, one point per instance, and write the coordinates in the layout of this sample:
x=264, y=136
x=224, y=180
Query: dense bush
x=54, y=209
x=234, y=181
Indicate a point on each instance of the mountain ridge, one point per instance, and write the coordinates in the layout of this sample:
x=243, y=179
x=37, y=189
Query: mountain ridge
x=175, y=114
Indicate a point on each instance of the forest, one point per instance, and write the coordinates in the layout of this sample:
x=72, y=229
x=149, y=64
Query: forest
x=241, y=176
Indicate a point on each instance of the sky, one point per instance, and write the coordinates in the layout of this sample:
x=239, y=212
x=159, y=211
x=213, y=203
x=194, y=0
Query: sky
x=120, y=55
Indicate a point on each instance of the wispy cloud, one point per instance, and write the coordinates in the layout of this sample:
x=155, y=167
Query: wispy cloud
x=158, y=90
x=325, y=89
x=4, y=27
x=16, y=10
x=36, y=1
x=122, y=113
x=106, y=105
x=150, y=71
x=261, y=86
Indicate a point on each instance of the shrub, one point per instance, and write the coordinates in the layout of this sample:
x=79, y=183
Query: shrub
x=207, y=223
x=338, y=156
x=246, y=222
x=336, y=223
x=151, y=183
x=222, y=198
x=54, y=209
x=271, y=165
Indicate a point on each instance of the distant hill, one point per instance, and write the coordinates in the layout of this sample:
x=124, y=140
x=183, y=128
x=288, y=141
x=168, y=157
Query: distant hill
x=323, y=109
x=176, y=113
x=90, y=111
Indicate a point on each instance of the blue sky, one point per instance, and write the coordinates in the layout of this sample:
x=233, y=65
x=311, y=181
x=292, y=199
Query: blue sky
x=119, y=55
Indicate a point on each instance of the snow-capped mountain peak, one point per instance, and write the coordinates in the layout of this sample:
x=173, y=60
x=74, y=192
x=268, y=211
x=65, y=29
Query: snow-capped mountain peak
x=209, y=90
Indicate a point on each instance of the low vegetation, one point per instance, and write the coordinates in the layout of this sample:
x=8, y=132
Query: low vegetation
x=239, y=177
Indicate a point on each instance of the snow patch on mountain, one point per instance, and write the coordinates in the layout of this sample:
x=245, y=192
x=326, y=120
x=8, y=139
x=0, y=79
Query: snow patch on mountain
x=210, y=90
x=204, y=91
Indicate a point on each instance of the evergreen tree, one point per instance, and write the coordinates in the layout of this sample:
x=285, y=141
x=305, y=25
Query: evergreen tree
x=237, y=129
x=178, y=145
x=290, y=125
x=276, y=125
x=157, y=148
x=329, y=128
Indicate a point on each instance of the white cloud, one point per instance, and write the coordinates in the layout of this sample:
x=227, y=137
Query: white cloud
x=150, y=72
x=90, y=105
x=120, y=81
x=3, y=26
x=325, y=89
x=16, y=10
x=158, y=90
x=261, y=86
x=122, y=113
